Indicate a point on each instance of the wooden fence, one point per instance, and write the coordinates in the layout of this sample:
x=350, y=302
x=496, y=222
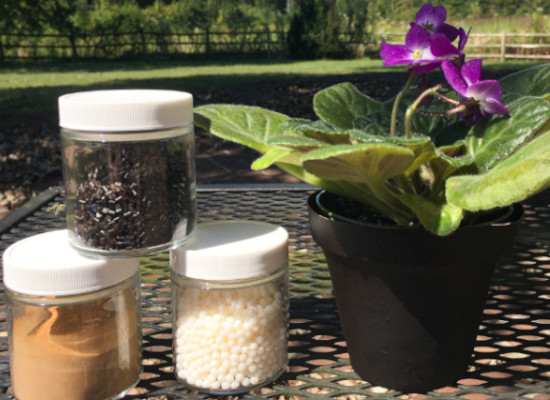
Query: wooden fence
x=497, y=46
x=139, y=44
x=502, y=46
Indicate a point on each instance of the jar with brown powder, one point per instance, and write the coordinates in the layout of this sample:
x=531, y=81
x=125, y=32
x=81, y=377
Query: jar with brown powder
x=74, y=321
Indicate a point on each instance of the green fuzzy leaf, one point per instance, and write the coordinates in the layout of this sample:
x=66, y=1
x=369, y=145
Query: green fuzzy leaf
x=359, y=162
x=271, y=156
x=422, y=124
x=293, y=141
x=443, y=166
x=318, y=130
x=453, y=150
x=249, y=126
x=301, y=125
x=453, y=156
x=375, y=123
x=421, y=146
x=514, y=179
x=505, y=135
x=456, y=162
x=365, y=136
x=441, y=219
x=338, y=105
x=534, y=81
x=423, y=150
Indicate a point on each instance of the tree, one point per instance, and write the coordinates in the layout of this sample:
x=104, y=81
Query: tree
x=52, y=16
x=191, y=15
x=314, y=30
x=356, y=16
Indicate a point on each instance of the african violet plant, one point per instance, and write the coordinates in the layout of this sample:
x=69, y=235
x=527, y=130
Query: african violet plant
x=435, y=155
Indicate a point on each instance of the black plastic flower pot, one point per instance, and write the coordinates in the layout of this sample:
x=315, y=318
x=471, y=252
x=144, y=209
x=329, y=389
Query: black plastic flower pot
x=410, y=302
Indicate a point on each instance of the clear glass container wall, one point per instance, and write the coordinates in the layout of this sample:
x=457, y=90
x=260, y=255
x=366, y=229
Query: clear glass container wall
x=230, y=336
x=129, y=193
x=81, y=347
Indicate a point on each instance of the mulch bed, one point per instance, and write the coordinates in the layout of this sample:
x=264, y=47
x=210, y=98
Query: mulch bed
x=30, y=154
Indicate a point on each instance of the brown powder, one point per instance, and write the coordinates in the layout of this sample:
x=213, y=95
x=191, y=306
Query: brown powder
x=85, y=351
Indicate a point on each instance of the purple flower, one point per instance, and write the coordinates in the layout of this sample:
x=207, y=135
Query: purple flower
x=462, y=39
x=420, y=47
x=481, y=97
x=432, y=19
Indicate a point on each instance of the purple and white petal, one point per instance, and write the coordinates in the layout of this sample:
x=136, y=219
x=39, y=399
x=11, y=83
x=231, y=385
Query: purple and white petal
x=454, y=78
x=439, y=15
x=430, y=17
x=493, y=106
x=424, y=13
x=417, y=38
x=448, y=30
x=423, y=55
x=463, y=38
x=483, y=90
x=442, y=47
x=471, y=71
x=395, y=54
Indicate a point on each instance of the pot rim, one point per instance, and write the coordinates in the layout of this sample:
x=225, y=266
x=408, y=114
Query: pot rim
x=513, y=213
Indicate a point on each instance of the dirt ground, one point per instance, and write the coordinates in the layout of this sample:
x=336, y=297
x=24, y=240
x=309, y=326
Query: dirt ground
x=30, y=155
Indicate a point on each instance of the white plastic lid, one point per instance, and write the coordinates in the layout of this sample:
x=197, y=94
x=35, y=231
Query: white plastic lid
x=229, y=250
x=46, y=264
x=126, y=110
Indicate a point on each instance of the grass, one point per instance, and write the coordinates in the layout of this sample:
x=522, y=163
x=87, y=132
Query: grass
x=27, y=89
x=115, y=72
x=496, y=24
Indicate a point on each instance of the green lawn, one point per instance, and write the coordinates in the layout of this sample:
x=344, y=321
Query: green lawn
x=26, y=89
x=194, y=74
x=513, y=24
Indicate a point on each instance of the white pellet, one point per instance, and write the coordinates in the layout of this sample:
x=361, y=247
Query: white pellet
x=230, y=339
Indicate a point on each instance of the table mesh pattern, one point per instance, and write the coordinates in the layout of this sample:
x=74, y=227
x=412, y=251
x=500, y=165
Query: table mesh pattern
x=512, y=353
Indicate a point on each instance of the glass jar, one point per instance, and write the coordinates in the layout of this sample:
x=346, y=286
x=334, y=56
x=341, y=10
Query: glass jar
x=230, y=307
x=74, y=326
x=129, y=170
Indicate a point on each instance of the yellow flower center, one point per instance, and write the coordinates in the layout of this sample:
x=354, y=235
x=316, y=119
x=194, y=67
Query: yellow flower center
x=417, y=54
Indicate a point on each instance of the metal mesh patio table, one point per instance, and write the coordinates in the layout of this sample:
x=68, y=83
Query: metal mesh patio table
x=511, y=358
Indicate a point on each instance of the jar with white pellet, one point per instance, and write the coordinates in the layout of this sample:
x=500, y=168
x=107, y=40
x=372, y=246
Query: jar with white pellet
x=230, y=306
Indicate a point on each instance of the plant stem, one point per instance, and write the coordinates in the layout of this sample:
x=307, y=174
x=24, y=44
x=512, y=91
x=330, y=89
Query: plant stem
x=398, y=98
x=448, y=100
x=428, y=92
x=404, y=184
x=441, y=113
